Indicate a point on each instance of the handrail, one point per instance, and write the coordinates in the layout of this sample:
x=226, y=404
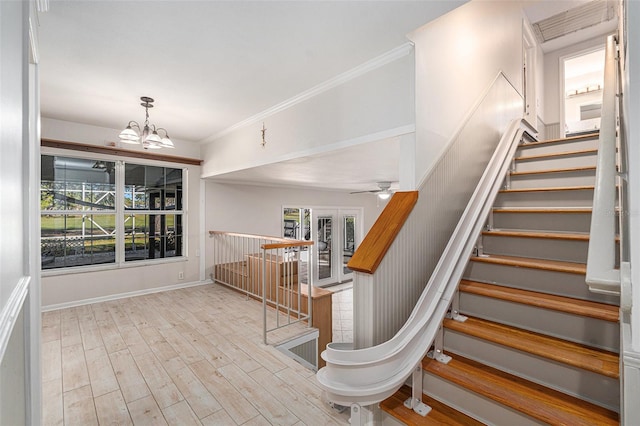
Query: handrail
x=251, y=236
x=367, y=376
x=602, y=275
x=373, y=248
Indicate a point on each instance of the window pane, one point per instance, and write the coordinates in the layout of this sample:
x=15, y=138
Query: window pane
x=76, y=184
x=152, y=236
x=77, y=240
x=152, y=188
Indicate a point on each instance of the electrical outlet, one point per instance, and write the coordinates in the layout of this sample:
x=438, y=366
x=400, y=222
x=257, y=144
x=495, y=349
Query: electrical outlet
x=181, y=275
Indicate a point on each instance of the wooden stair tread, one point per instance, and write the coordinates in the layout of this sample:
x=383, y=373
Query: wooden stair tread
x=535, y=400
x=556, y=154
x=581, y=356
x=549, y=189
x=569, y=305
x=538, y=234
x=549, y=171
x=527, y=262
x=563, y=210
x=562, y=140
x=440, y=413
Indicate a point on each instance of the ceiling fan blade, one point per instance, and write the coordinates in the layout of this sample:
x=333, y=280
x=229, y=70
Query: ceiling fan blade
x=374, y=191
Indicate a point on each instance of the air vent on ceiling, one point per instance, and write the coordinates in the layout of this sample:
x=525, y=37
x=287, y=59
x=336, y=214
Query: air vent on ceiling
x=572, y=20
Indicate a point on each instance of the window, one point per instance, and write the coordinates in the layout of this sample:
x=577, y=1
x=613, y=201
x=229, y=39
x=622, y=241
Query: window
x=97, y=212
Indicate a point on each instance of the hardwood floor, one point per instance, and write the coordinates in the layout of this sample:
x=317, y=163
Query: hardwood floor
x=189, y=356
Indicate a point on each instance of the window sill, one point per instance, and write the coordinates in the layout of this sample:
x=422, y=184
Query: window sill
x=110, y=267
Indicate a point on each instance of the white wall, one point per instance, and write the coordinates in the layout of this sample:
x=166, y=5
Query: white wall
x=17, y=284
x=374, y=101
x=258, y=209
x=72, y=287
x=68, y=131
x=457, y=58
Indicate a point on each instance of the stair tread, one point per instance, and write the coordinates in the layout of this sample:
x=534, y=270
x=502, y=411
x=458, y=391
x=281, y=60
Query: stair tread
x=568, y=210
x=576, y=236
x=581, y=356
x=597, y=310
x=562, y=140
x=556, y=154
x=440, y=413
x=548, y=171
x=528, y=262
x=535, y=400
x=552, y=188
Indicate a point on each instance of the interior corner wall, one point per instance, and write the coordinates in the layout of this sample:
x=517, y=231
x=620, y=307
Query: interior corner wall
x=73, y=286
x=552, y=86
x=68, y=131
x=258, y=209
x=375, y=102
x=457, y=58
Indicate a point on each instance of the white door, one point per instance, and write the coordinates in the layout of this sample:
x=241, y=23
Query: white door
x=528, y=77
x=336, y=233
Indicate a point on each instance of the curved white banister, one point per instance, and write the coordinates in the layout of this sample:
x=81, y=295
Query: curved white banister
x=602, y=275
x=367, y=376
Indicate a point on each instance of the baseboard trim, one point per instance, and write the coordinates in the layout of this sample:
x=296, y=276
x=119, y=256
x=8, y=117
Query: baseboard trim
x=117, y=296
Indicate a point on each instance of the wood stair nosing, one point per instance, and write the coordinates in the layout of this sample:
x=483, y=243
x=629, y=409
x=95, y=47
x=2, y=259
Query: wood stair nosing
x=550, y=171
x=573, y=354
x=548, y=189
x=537, y=234
x=532, y=399
x=562, y=140
x=556, y=154
x=569, y=305
x=531, y=263
x=544, y=210
x=440, y=414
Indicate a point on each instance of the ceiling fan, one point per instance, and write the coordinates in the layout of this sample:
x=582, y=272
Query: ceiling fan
x=384, y=191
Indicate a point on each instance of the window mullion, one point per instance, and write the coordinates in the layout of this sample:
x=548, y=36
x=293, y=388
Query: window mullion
x=120, y=257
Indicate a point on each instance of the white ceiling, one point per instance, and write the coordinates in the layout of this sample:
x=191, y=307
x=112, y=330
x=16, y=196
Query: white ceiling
x=212, y=64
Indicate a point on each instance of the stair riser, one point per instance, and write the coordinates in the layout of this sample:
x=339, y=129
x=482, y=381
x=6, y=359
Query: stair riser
x=557, y=147
x=572, y=198
x=538, y=248
x=561, y=222
x=575, y=328
x=592, y=387
x=476, y=406
x=559, y=162
x=551, y=282
x=549, y=180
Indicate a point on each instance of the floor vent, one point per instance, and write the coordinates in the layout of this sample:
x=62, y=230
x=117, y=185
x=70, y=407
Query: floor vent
x=303, y=349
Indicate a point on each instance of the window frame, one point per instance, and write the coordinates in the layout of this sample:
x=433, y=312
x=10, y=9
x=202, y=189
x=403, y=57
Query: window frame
x=120, y=213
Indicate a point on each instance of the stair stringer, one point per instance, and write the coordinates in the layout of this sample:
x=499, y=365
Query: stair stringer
x=367, y=376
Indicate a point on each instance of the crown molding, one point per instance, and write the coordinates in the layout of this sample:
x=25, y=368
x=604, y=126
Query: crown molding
x=377, y=62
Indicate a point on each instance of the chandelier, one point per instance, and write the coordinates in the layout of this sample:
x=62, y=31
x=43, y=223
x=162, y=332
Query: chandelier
x=147, y=136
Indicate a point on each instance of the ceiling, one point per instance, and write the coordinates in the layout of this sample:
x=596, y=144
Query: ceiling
x=212, y=64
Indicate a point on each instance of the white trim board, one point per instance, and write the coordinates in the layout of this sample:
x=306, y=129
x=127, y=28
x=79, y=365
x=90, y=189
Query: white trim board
x=11, y=311
x=123, y=295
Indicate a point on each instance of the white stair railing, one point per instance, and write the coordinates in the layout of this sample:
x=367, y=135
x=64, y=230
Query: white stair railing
x=367, y=376
x=602, y=274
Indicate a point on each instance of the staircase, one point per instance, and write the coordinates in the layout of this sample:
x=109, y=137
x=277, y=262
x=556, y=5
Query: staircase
x=537, y=347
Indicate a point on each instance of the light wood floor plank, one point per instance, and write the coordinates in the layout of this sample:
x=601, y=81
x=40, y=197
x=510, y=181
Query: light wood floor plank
x=199, y=398
x=70, y=330
x=159, y=346
x=145, y=412
x=51, y=353
x=134, y=340
x=181, y=345
x=74, y=368
x=258, y=421
x=52, y=403
x=259, y=396
x=51, y=326
x=238, y=407
x=208, y=350
x=219, y=418
x=180, y=414
x=160, y=384
x=103, y=380
x=131, y=382
x=239, y=357
x=112, y=410
x=79, y=408
x=111, y=337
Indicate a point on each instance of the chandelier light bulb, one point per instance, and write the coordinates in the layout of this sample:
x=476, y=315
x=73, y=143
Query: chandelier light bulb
x=148, y=138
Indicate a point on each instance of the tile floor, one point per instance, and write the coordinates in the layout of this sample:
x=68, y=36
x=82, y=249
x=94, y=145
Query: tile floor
x=342, y=306
x=189, y=356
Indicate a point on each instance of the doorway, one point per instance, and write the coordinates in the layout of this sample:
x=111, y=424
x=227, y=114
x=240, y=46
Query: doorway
x=336, y=233
x=582, y=77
